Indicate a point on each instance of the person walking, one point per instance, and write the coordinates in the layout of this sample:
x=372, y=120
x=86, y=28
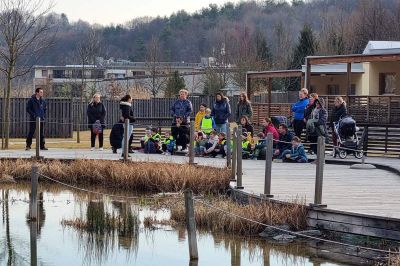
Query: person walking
x=125, y=105
x=182, y=107
x=243, y=108
x=298, y=110
x=36, y=107
x=221, y=112
x=96, y=113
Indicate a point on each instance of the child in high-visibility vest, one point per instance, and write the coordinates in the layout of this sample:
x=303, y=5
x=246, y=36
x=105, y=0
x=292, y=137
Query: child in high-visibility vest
x=207, y=123
x=168, y=144
x=153, y=143
x=246, y=146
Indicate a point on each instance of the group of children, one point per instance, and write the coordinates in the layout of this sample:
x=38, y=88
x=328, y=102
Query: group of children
x=209, y=143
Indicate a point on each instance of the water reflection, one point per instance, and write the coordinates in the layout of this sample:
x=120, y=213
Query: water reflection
x=109, y=232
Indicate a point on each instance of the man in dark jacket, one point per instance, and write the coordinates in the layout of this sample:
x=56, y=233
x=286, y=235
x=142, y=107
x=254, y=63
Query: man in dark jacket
x=36, y=107
x=285, y=140
x=182, y=107
x=180, y=131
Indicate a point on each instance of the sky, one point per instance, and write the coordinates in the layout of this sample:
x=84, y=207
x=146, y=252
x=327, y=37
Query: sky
x=106, y=12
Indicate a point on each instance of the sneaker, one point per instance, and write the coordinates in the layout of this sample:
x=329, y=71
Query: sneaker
x=185, y=150
x=92, y=148
x=44, y=149
x=27, y=148
x=179, y=148
x=101, y=149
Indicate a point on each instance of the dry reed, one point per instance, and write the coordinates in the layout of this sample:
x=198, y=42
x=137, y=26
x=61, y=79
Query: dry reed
x=394, y=260
x=139, y=176
x=266, y=212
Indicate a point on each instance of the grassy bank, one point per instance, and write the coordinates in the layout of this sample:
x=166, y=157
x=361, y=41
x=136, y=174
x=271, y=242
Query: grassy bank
x=269, y=213
x=138, y=176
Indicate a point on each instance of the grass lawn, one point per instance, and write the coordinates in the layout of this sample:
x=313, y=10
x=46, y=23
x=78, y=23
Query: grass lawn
x=64, y=143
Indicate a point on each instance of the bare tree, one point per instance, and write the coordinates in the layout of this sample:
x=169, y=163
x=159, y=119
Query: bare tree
x=157, y=81
x=24, y=34
x=87, y=51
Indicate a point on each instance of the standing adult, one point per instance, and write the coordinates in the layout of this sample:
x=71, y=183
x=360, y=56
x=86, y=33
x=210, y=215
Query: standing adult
x=339, y=111
x=125, y=105
x=96, y=113
x=36, y=107
x=221, y=112
x=243, y=108
x=182, y=107
x=298, y=110
x=310, y=106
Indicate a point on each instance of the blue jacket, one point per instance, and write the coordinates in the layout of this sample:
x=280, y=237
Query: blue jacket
x=298, y=152
x=221, y=111
x=36, y=108
x=182, y=108
x=299, y=107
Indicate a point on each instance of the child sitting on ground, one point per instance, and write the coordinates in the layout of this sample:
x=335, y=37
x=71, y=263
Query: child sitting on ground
x=221, y=147
x=207, y=124
x=153, y=142
x=168, y=144
x=146, y=137
x=200, y=143
x=260, y=147
x=296, y=154
x=211, y=145
x=246, y=146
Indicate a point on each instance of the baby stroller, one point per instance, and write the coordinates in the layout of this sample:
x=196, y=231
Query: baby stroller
x=348, y=141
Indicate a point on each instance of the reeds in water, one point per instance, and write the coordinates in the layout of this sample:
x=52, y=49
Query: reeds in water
x=266, y=212
x=139, y=176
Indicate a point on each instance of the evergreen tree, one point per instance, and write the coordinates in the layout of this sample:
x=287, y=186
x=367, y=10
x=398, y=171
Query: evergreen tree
x=174, y=84
x=307, y=46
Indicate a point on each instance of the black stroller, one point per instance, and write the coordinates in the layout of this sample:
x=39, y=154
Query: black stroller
x=348, y=141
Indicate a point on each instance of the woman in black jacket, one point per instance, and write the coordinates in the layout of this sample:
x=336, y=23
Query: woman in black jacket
x=96, y=114
x=125, y=105
x=339, y=111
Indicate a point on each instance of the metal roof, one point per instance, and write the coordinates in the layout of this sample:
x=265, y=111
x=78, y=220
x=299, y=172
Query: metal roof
x=382, y=47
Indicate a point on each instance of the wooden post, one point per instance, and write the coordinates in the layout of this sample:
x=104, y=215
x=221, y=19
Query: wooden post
x=191, y=225
x=126, y=140
x=191, y=144
x=248, y=86
x=319, y=176
x=33, y=207
x=228, y=146
x=268, y=166
x=308, y=75
x=348, y=79
x=239, y=155
x=38, y=127
x=33, y=229
x=269, y=96
x=234, y=154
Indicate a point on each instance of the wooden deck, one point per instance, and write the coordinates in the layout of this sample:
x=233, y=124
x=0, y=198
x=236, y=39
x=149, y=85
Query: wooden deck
x=373, y=192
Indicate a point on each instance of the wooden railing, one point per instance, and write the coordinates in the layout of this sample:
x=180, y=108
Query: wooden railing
x=366, y=110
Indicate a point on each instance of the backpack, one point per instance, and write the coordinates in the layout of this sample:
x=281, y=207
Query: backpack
x=97, y=128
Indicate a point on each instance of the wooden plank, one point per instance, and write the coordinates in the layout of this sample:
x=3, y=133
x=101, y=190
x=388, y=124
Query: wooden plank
x=354, y=229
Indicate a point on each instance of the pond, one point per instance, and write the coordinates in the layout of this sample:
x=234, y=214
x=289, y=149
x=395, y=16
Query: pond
x=132, y=243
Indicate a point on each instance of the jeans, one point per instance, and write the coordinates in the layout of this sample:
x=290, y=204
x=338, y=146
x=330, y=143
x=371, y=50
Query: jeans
x=130, y=129
x=221, y=127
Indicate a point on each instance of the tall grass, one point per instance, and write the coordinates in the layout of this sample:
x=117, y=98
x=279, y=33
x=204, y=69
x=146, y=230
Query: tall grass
x=139, y=176
x=266, y=212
